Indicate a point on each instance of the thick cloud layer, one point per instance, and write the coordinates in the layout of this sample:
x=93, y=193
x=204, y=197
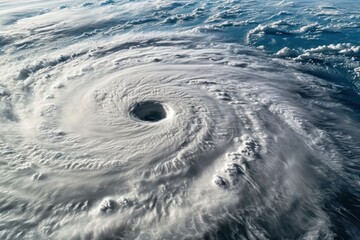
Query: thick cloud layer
x=164, y=134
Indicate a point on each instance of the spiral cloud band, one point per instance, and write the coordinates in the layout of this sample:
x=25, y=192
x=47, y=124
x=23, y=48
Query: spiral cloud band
x=169, y=136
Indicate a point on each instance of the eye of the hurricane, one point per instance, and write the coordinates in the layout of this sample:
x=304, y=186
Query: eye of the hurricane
x=148, y=111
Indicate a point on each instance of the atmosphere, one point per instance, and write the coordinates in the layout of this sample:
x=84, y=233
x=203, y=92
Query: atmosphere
x=167, y=119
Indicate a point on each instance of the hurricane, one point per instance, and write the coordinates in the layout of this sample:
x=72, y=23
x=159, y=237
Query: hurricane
x=179, y=119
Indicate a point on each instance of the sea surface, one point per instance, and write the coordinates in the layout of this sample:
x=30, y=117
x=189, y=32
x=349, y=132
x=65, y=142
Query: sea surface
x=169, y=119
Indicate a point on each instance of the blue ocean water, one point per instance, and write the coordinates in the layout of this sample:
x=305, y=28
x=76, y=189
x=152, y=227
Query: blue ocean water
x=257, y=125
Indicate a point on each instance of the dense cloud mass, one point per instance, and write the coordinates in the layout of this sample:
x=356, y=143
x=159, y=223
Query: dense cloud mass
x=147, y=120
